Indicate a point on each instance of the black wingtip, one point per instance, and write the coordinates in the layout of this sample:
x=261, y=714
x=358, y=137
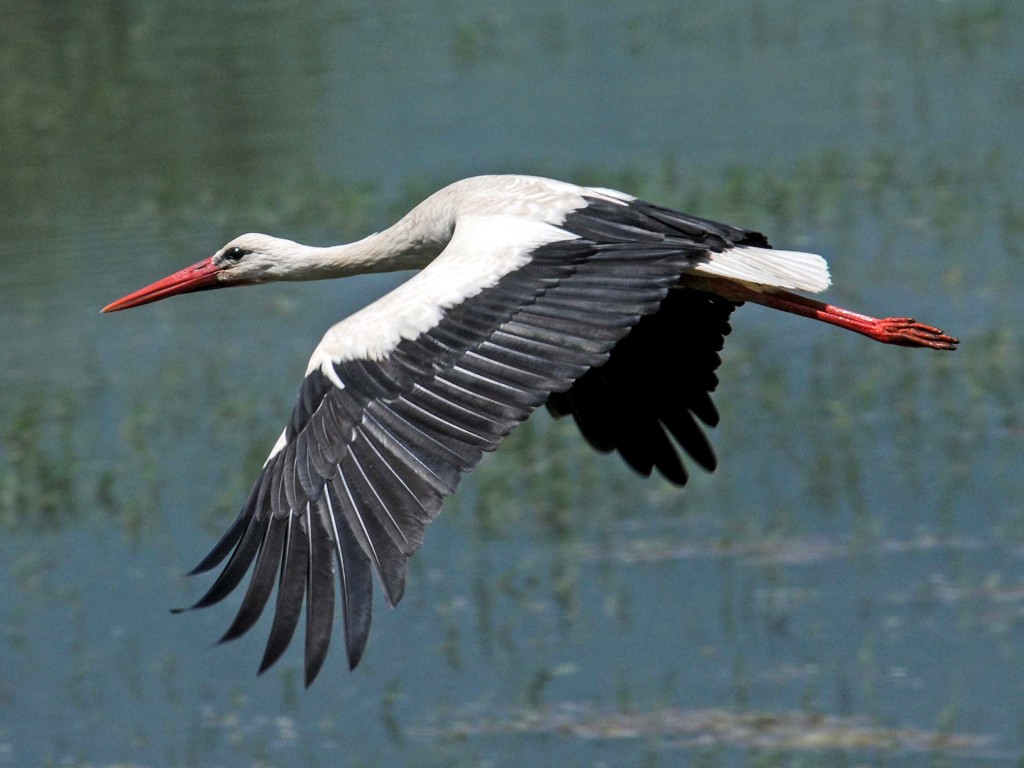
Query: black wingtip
x=228, y=636
x=355, y=653
x=270, y=656
x=672, y=469
x=186, y=608
x=312, y=670
x=202, y=567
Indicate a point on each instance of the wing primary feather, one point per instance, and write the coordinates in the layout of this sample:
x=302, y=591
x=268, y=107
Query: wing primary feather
x=384, y=554
x=356, y=584
x=290, y=590
x=231, y=537
x=665, y=456
x=691, y=437
x=319, y=591
x=262, y=582
x=236, y=567
x=703, y=408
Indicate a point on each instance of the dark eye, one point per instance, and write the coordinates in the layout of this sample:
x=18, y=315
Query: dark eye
x=235, y=253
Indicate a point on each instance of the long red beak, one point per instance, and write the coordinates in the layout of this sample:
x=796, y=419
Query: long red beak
x=198, y=277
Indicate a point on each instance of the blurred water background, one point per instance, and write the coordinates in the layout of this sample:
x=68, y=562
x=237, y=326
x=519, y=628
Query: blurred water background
x=847, y=589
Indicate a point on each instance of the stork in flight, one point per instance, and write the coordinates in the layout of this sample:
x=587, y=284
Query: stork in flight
x=531, y=292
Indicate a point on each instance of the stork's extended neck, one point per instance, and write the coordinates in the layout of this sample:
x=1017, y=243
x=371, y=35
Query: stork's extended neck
x=397, y=248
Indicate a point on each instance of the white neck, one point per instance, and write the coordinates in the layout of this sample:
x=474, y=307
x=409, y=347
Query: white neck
x=402, y=246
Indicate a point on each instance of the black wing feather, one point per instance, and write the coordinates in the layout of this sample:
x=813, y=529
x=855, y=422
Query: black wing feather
x=356, y=579
x=367, y=528
x=656, y=380
x=264, y=573
x=290, y=590
x=320, y=590
x=237, y=565
x=230, y=538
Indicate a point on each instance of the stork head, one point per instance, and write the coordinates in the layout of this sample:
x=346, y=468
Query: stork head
x=246, y=260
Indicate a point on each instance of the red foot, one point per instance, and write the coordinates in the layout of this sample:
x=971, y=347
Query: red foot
x=907, y=332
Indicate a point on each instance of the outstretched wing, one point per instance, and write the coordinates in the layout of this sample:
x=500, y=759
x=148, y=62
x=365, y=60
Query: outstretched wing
x=404, y=396
x=656, y=386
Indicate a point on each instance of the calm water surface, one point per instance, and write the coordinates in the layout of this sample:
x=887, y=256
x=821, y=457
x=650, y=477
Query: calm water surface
x=848, y=587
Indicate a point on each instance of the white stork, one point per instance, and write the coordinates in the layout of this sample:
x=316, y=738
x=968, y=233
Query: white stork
x=531, y=292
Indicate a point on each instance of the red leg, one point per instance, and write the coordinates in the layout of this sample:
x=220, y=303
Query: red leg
x=904, y=331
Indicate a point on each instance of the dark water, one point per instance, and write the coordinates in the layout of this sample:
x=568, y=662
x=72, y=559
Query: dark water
x=847, y=589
